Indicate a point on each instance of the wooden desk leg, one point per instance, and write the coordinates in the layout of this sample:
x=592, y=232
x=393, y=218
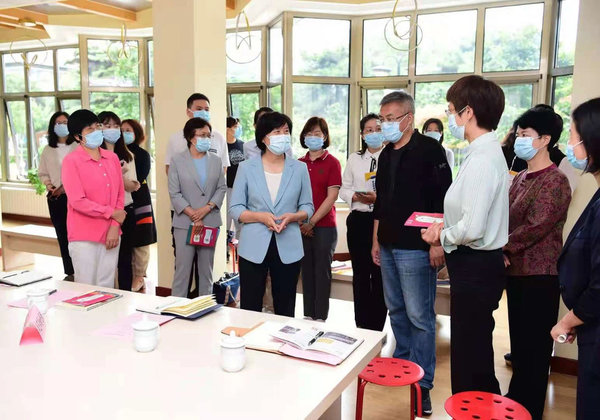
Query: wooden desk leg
x=11, y=259
x=334, y=412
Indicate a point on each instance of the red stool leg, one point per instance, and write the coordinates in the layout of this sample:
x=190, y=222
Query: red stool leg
x=360, y=393
x=417, y=389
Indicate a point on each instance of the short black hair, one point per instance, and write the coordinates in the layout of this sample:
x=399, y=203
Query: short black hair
x=544, y=121
x=311, y=124
x=586, y=118
x=260, y=111
x=363, y=122
x=79, y=120
x=52, y=136
x=485, y=98
x=191, y=126
x=231, y=121
x=267, y=123
x=440, y=126
x=196, y=97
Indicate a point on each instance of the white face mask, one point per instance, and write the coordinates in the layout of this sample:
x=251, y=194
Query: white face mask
x=434, y=135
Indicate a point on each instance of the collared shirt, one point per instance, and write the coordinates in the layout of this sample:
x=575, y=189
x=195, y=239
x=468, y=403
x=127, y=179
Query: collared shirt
x=177, y=144
x=412, y=178
x=359, y=175
x=476, y=205
x=51, y=162
x=325, y=172
x=94, y=190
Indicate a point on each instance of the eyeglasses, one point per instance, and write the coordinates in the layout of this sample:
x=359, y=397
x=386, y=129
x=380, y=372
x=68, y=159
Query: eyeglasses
x=448, y=112
x=392, y=119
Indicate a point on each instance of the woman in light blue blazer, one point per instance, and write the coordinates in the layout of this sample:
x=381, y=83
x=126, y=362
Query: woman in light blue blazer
x=197, y=188
x=271, y=194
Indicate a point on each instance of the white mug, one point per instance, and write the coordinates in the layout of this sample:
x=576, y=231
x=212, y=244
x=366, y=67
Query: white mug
x=39, y=298
x=145, y=335
x=233, y=353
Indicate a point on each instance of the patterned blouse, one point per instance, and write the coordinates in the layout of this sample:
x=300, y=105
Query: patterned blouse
x=538, y=209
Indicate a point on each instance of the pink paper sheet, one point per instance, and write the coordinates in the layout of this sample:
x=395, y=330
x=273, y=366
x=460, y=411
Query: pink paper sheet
x=53, y=299
x=315, y=356
x=123, y=329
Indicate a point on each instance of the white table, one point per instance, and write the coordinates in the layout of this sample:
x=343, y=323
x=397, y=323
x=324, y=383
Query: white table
x=75, y=374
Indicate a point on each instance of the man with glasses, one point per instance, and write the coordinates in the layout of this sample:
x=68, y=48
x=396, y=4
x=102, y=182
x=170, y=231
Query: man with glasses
x=412, y=175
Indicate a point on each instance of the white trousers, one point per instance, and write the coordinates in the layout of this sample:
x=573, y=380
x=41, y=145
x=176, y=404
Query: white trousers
x=93, y=263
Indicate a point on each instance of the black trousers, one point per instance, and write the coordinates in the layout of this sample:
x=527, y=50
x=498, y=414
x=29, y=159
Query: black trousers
x=124, y=266
x=588, y=380
x=58, y=214
x=369, y=305
x=477, y=279
x=284, y=278
x=532, y=312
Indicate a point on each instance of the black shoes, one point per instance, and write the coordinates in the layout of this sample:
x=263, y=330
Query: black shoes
x=508, y=359
x=425, y=402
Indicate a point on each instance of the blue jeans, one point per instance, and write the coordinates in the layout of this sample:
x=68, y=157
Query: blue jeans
x=409, y=285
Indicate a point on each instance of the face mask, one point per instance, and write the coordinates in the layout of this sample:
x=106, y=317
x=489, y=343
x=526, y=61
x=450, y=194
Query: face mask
x=577, y=163
x=374, y=140
x=94, y=139
x=391, y=130
x=205, y=115
x=202, y=144
x=238, y=132
x=434, y=135
x=279, y=144
x=129, y=137
x=61, y=130
x=314, y=143
x=524, y=148
x=111, y=135
x=456, y=130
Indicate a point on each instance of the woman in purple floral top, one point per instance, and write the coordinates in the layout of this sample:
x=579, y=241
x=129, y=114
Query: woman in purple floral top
x=539, y=198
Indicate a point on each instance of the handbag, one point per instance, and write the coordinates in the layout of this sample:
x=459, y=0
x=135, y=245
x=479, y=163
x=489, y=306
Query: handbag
x=202, y=236
x=227, y=289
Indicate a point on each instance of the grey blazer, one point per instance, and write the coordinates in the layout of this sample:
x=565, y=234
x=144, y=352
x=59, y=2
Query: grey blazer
x=185, y=188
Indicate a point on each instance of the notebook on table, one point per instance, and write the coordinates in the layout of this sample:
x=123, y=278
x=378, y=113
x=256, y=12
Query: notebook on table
x=89, y=300
x=22, y=277
x=184, y=308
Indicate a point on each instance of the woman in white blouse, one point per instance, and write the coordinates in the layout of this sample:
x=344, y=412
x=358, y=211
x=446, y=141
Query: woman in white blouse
x=358, y=190
x=59, y=146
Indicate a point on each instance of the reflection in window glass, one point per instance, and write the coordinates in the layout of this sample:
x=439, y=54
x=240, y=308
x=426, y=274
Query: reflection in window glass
x=13, y=71
x=17, y=140
x=120, y=72
x=517, y=99
x=447, y=42
x=509, y=45
x=124, y=104
x=567, y=32
x=244, y=56
x=275, y=53
x=67, y=61
x=321, y=47
x=275, y=98
x=562, y=87
x=42, y=108
x=243, y=106
x=383, y=57
x=327, y=101
x=70, y=105
x=41, y=71
x=150, y=63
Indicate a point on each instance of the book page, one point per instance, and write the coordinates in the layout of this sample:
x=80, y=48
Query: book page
x=260, y=338
x=337, y=344
x=298, y=335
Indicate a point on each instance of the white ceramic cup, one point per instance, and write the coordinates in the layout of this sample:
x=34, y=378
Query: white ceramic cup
x=233, y=353
x=145, y=335
x=39, y=298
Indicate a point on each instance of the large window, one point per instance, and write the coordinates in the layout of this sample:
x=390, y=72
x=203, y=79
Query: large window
x=517, y=99
x=243, y=106
x=37, y=83
x=244, y=52
x=110, y=63
x=386, y=50
x=513, y=37
x=567, y=32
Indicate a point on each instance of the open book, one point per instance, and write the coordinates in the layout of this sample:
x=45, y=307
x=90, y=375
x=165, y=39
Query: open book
x=22, y=277
x=183, y=307
x=301, y=340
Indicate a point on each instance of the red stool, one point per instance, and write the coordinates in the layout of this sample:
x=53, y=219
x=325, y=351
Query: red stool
x=485, y=406
x=387, y=371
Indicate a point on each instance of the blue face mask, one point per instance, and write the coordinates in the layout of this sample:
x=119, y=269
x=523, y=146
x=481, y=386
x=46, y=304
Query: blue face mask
x=94, y=139
x=577, y=163
x=238, y=132
x=61, y=130
x=374, y=140
x=314, y=143
x=456, y=130
x=129, y=137
x=205, y=115
x=279, y=144
x=524, y=148
x=391, y=130
x=202, y=144
x=434, y=135
x=111, y=135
